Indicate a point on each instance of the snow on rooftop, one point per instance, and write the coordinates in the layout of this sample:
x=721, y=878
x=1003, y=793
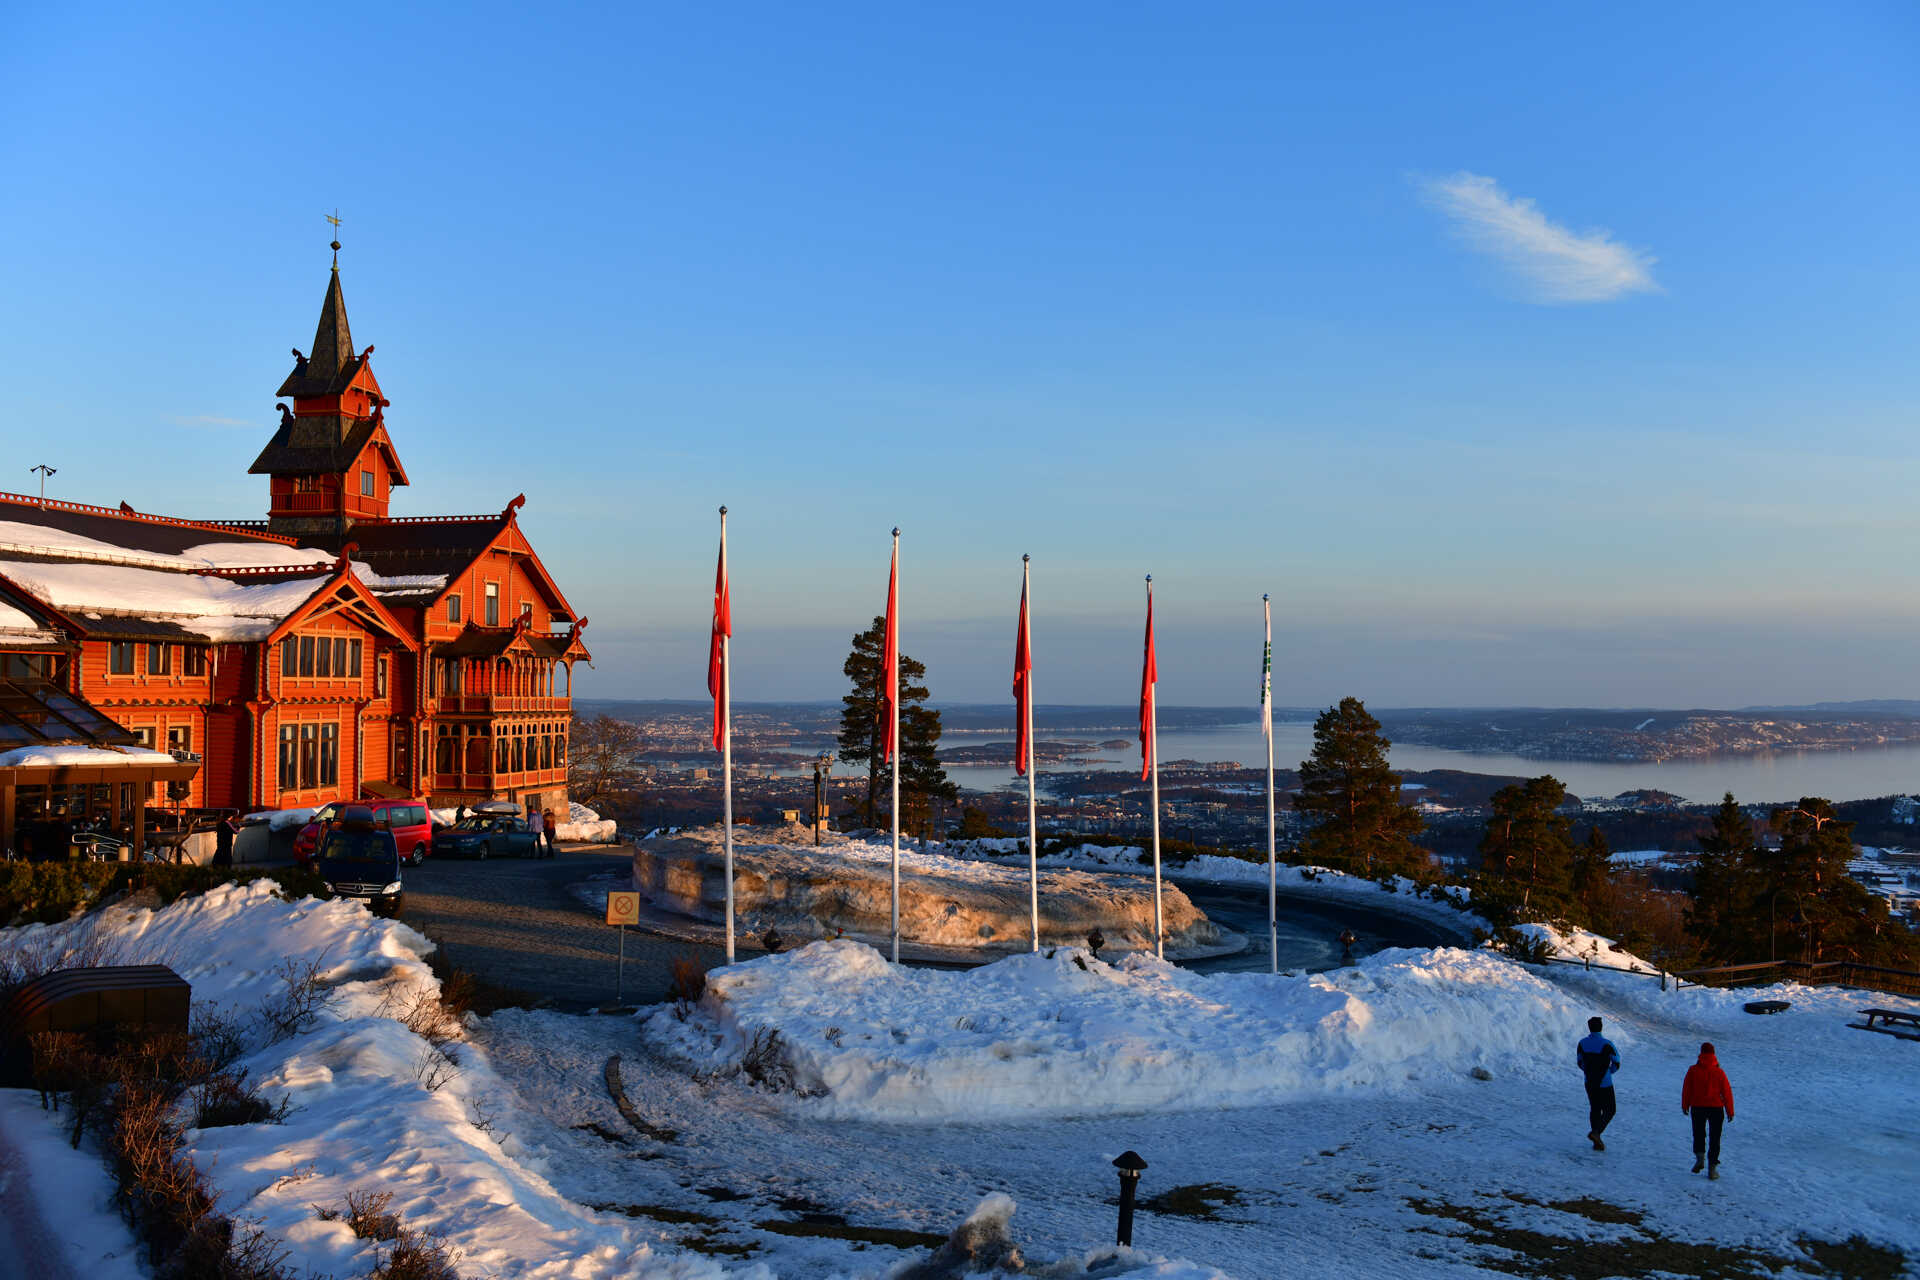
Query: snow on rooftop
x=20, y=537
x=73, y=755
x=216, y=608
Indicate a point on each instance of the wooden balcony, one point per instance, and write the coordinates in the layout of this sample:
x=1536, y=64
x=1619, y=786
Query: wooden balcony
x=490, y=704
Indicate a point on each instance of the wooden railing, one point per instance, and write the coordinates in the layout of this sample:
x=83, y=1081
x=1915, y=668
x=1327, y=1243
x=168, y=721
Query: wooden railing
x=1824, y=973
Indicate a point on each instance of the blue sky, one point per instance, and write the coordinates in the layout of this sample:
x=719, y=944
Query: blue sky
x=1525, y=355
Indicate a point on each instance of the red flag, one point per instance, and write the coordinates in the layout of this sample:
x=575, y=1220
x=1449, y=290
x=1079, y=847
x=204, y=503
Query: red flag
x=716, y=653
x=1149, y=676
x=1022, y=688
x=890, y=655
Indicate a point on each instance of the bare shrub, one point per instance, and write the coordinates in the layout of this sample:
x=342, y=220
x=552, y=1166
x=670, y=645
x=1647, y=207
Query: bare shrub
x=303, y=996
x=368, y=1217
x=434, y=1067
x=226, y=1097
x=417, y=1255
x=767, y=1065
x=160, y=1187
x=424, y=1013
x=483, y=1118
x=218, y=1036
x=686, y=984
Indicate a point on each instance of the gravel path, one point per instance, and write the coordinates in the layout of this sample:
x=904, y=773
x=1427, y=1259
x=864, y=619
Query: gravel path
x=512, y=922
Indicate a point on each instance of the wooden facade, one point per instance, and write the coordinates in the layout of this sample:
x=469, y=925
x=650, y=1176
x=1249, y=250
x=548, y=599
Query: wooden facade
x=331, y=651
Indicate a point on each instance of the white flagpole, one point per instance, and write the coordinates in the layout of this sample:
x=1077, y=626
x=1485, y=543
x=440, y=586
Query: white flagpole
x=1266, y=723
x=1033, y=756
x=893, y=608
x=726, y=726
x=1153, y=732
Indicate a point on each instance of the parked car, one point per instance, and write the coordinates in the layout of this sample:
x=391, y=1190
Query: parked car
x=406, y=819
x=358, y=859
x=489, y=835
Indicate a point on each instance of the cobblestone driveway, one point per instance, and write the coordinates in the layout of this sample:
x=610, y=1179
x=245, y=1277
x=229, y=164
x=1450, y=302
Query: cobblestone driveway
x=511, y=921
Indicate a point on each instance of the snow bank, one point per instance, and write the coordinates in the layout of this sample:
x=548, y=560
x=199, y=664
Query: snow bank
x=1062, y=1034
x=583, y=826
x=364, y=1115
x=808, y=892
x=215, y=608
x=1404, y=896
x=1590, y=948
x=281, y=819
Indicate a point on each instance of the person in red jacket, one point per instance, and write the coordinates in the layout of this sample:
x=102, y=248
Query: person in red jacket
x=1708, y=1098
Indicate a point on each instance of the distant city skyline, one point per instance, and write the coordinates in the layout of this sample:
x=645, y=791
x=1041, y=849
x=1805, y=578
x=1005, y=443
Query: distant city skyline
x=1527, y=357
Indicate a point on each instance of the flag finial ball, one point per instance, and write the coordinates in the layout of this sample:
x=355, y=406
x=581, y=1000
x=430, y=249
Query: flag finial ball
x=896, y=531
x=723, y=511
x=1265, y=596
x=1025, y=559
x=1149, y=577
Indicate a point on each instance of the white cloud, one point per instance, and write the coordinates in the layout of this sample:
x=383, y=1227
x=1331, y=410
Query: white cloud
x=1550, y=262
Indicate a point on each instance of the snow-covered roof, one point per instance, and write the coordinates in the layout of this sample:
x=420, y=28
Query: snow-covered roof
x=69, y=756
x=217, y=608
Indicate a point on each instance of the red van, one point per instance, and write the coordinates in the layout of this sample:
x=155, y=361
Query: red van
x=408, y=820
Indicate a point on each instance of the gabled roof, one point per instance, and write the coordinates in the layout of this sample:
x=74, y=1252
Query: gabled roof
x=346, y=594
x=331, y=365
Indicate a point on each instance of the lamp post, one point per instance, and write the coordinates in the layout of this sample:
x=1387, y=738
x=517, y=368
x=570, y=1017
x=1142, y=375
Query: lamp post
x=821, y=767
x=1131, y=1166
x=44, y=471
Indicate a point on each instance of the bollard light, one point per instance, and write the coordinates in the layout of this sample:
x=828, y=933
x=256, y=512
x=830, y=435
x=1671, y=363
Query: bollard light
x=1130, y=1166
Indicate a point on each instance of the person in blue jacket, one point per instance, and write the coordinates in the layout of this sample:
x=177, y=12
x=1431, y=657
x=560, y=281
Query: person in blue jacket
x=1598, y=1061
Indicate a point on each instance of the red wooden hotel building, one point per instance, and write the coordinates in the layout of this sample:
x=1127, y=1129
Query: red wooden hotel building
x=329, y=651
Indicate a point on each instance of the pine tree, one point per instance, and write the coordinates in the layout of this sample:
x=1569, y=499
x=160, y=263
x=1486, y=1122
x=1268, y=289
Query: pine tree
x=862, y=713
x=1816, y=911
x=1720, y=908
x=1363, y=826
x=1591, y=877
x=1526, y=856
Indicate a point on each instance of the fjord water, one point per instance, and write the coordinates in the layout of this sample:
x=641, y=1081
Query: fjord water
x=1757, y=779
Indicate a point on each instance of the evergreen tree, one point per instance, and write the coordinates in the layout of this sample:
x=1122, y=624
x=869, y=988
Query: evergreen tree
x=1720, y=908
x=1591, y=877
x=1363, y=825
x=1815, y=909
x=862, y=723
x=1526, y=856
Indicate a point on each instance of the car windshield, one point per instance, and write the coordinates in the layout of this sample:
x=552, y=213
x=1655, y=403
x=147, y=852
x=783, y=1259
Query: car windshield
x=475, y=823
x=359, y=855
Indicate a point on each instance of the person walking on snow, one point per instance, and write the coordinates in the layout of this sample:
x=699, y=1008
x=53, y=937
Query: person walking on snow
x=1708, y=1098
x=1598, y=1060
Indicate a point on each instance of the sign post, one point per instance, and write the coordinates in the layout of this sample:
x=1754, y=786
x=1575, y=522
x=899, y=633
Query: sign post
x=623, y=909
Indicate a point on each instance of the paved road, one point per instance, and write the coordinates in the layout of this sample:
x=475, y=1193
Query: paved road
x=512, y=921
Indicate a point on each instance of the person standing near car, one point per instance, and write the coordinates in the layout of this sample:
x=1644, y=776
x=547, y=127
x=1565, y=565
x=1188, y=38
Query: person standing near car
x=536, y=823
x=546, y=820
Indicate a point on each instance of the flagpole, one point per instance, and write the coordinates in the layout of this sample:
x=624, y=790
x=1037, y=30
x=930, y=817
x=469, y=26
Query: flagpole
x=1153, y=726
x=726, y=725
x=893, y=607
x=1266, y=719
x=1033, y=756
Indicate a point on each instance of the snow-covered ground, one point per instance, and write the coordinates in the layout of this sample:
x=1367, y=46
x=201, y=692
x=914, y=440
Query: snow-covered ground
x=1402, y=1161
x=1417, y=1115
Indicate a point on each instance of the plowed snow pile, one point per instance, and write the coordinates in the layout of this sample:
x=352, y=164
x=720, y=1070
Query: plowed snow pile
x=1062, y=1033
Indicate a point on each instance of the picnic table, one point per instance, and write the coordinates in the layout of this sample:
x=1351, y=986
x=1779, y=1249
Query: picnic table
x=1890, y=1021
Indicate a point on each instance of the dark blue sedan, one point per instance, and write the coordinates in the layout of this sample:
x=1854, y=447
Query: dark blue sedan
x=488, y=835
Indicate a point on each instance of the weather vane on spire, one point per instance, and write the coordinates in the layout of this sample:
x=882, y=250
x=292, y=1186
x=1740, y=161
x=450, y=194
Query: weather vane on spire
x=334, y=218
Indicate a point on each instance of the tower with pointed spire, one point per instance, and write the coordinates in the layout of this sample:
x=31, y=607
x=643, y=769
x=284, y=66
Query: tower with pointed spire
x=330, y=462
